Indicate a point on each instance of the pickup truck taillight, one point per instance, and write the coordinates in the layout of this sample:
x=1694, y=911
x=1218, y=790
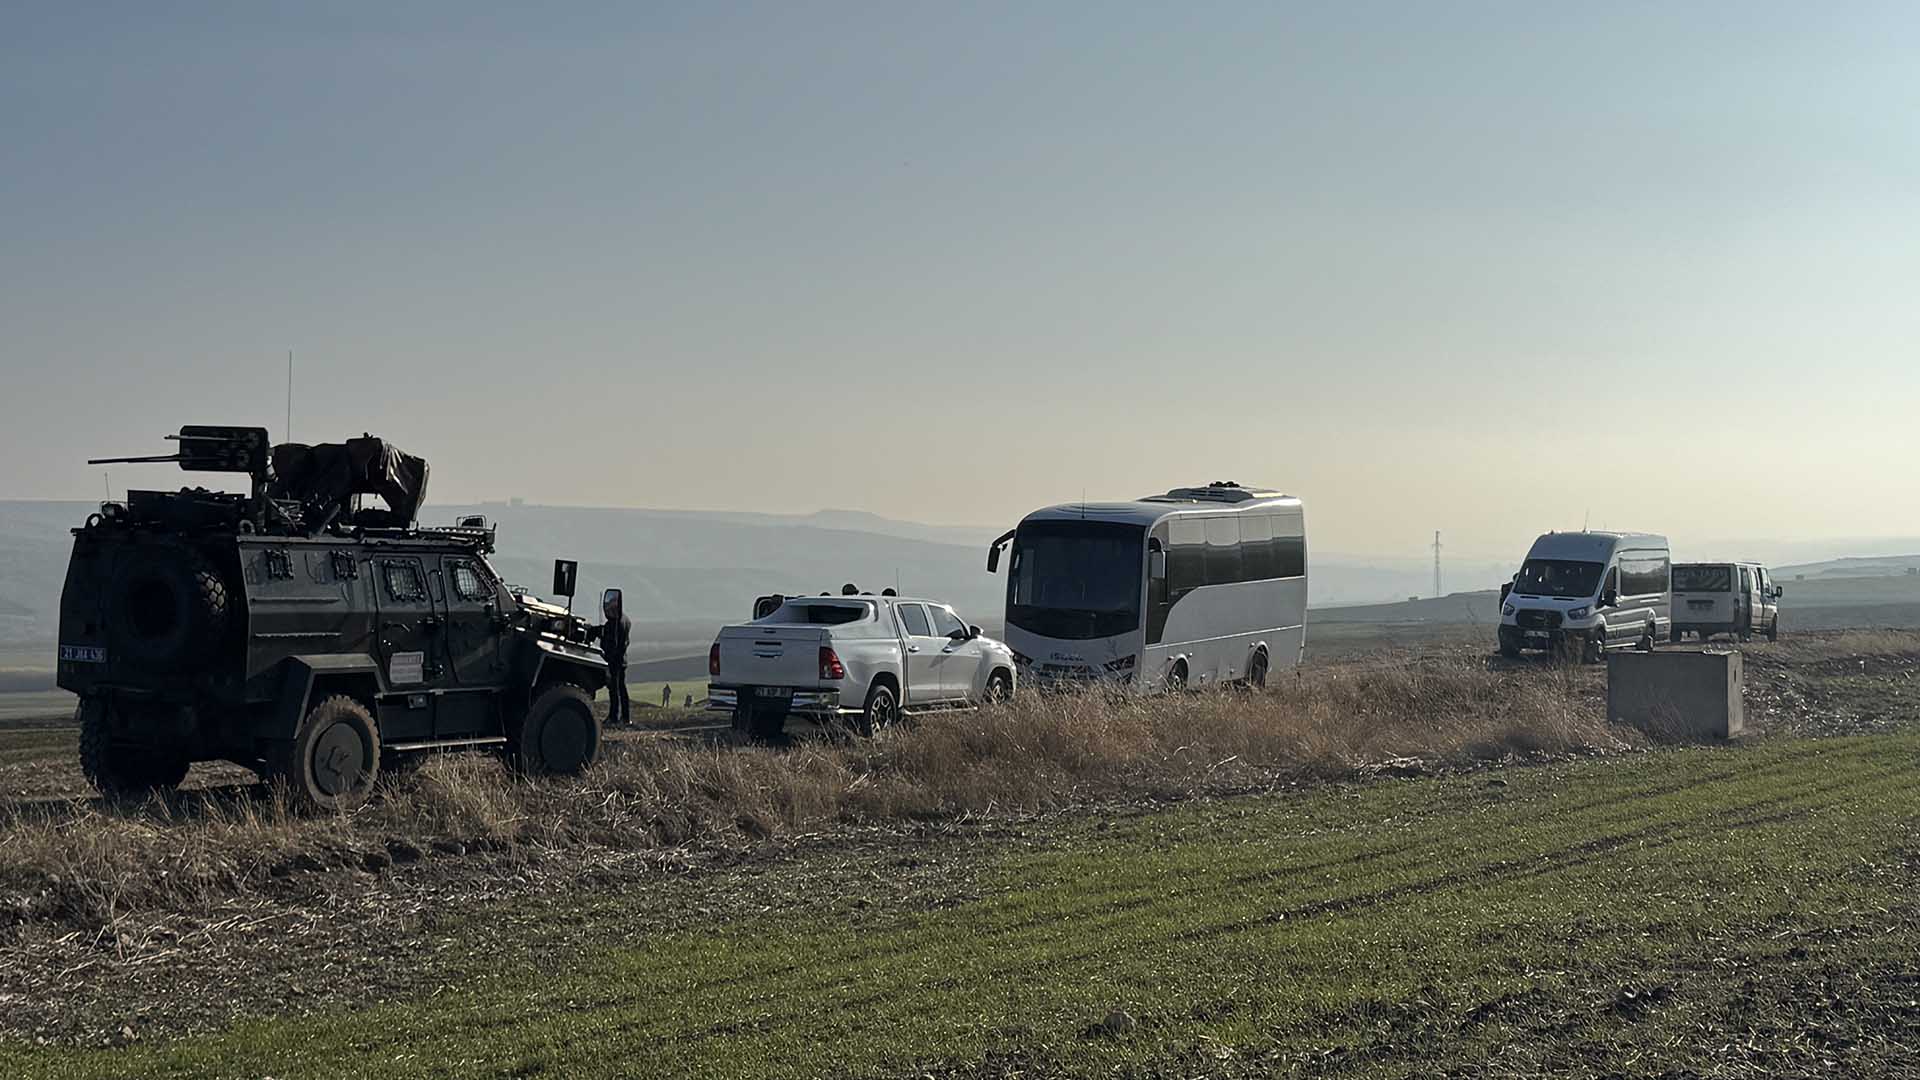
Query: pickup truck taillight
x=713, y=660
x=830, y=665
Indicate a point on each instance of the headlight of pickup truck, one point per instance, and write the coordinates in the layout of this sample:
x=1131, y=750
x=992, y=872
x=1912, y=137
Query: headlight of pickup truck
x=1508, y=610
x=1578, y=613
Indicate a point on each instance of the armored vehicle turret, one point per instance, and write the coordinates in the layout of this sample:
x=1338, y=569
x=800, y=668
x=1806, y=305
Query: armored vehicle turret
x=302, y=632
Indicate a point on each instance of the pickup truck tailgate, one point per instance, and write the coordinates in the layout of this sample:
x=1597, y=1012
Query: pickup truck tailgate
x=770, y=655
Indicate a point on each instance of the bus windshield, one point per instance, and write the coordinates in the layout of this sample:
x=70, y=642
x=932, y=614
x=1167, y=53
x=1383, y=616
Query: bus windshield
x=1567, y=578
x=1076, y=580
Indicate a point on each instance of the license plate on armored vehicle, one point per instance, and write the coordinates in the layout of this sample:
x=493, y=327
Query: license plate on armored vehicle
x=84, y=654
x=784, y=693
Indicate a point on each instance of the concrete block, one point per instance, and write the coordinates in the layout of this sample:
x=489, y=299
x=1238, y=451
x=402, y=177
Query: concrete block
x=1677, y=693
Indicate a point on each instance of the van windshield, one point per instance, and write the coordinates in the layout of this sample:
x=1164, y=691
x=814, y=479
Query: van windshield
x=1558, y=577
x=1707, y=578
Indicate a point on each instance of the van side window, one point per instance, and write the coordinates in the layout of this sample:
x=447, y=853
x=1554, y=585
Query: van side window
x=1644, y=573
x=1746, y=579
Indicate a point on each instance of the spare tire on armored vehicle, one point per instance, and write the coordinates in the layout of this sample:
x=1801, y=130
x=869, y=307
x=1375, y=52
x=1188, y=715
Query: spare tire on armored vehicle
x=167, y=605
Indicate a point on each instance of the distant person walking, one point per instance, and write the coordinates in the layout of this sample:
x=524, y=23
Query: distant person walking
x=666, y=695
x=689, y=701
x=615, y=633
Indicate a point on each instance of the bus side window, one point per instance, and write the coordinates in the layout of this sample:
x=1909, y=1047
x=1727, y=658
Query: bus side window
x=1223, y=550
x=1258, y=558
x=1186, y=557
x=1290, y=545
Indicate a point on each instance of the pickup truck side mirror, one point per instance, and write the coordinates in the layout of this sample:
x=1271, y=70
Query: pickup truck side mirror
x=972, y=632
x=1505, y=588
x=1779, y=591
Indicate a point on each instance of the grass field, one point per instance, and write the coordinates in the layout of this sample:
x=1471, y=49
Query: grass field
x=1735, y=912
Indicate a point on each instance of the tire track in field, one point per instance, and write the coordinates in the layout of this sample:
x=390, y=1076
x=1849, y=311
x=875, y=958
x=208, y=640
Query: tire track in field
x=873, y=952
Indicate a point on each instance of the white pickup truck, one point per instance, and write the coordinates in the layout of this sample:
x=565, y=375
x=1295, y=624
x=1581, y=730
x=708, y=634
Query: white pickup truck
x=860, y=660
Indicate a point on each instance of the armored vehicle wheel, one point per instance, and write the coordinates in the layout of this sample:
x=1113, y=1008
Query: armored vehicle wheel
x=169, y=607
x=334, y=759
x=561, y=734
x=117, y=770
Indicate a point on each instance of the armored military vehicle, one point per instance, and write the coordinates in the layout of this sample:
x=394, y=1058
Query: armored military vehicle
x=302, y=631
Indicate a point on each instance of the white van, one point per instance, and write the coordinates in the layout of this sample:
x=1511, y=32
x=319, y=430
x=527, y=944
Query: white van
x=1590, y=591
x=1736, y=598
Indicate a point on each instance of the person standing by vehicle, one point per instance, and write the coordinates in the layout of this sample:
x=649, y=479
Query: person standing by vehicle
x=614, y=635
x=666, y=695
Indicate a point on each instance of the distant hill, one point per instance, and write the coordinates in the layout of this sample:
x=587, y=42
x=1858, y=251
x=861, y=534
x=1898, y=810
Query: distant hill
x=1859, y=566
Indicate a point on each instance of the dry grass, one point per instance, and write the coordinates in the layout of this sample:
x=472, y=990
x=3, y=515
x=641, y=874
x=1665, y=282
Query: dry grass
x=83, y=865
x=1847, y=644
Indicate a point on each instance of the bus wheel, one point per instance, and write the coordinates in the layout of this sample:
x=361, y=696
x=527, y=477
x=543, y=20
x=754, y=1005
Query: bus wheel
x=1257, y=671
x=1177, y=677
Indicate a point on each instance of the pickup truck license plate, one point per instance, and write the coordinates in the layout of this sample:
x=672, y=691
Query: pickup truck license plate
x=782, y=692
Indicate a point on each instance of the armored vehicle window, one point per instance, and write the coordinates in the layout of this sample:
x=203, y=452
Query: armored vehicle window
x=403, y=582
x=467, y=582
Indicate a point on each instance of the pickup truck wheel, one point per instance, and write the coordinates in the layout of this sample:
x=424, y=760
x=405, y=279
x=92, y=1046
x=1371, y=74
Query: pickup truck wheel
x=999, y=688
x=881, y=713
x=561, y=735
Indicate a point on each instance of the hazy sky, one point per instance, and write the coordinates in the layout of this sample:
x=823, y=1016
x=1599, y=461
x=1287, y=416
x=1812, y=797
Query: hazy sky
x=1480, y=268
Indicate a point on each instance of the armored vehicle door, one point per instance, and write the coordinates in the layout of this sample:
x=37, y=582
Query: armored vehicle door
x=475, y=638
x=408, y=647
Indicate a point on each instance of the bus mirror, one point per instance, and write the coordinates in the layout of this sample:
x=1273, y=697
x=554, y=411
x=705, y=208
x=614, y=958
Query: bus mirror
x=993, y=550
x=1157, y=564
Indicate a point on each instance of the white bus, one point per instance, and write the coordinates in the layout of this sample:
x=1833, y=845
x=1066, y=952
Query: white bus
x=1200, y=586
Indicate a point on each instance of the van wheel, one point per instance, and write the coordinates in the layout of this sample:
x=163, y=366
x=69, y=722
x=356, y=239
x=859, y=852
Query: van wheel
x=333, y=760
x=882, y=711
x=1650, y=638
x=1595, y=649
x=561, y=734
x=1177, y=677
